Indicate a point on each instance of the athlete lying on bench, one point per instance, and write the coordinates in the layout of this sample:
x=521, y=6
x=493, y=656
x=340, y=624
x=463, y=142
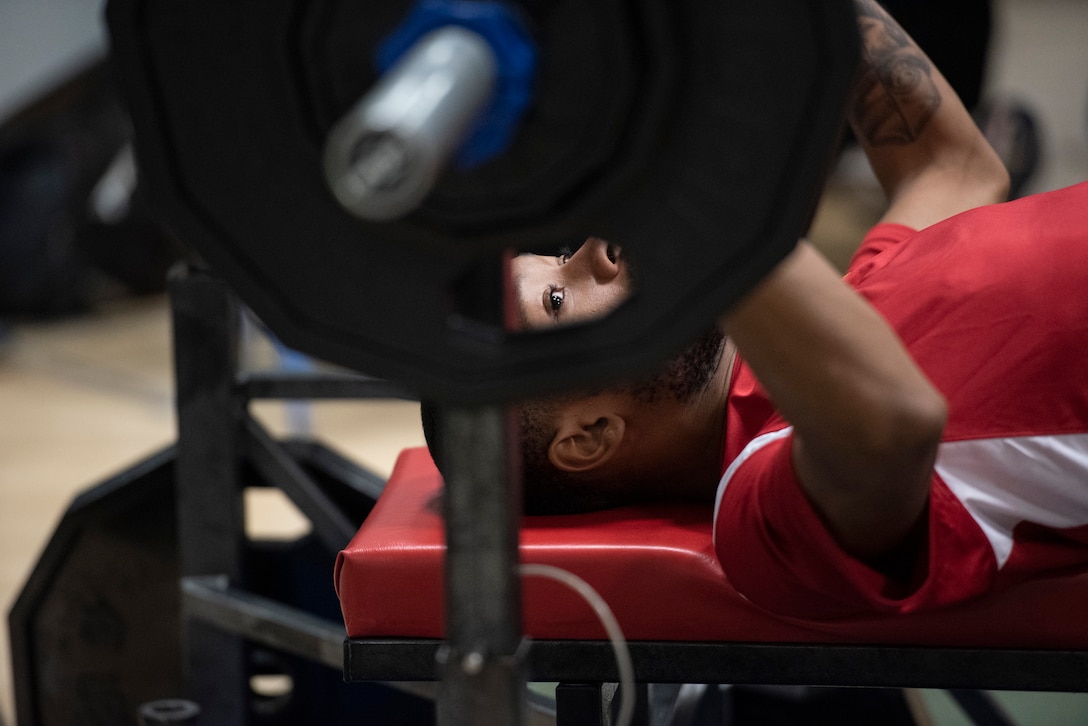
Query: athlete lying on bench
x=913, y=435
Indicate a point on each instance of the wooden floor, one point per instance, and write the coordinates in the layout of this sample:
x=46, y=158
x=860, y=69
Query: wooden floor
x=84, y=397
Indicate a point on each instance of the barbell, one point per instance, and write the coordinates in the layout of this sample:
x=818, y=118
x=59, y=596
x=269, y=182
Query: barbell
x=696, y=133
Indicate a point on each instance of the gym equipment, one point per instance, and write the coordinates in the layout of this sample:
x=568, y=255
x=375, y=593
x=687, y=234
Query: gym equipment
x=94, y=630
x=658, y=124
x=97, y=630
x=694, y=133
x=385, y=155
x=461, y=80
x=683, y=594
x=664, y=125
x=683, y=621
x=167, y=712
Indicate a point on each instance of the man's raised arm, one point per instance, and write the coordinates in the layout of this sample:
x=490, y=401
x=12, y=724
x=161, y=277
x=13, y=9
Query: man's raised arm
x=926, y=150
x=866, y=420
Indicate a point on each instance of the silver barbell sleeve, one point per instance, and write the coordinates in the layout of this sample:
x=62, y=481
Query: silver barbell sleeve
x=386, y=154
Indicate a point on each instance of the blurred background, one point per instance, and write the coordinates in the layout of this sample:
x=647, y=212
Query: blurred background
x=85, y=353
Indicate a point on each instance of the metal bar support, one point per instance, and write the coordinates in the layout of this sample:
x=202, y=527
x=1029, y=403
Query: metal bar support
x=211, y=528
x=331, y=525
x=211, y=600
x=483, y=660
x=312, y=386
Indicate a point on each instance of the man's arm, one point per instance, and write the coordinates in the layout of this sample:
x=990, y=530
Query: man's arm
x=924, y=147
x=866, y=421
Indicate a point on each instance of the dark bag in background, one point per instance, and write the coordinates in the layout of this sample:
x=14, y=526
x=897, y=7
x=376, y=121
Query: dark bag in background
x=72, y=225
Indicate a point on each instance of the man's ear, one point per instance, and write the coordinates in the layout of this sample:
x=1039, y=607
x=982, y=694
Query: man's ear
x=585, y=441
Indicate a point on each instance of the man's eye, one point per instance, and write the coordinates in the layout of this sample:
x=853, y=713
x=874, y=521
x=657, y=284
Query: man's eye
x=555, y=299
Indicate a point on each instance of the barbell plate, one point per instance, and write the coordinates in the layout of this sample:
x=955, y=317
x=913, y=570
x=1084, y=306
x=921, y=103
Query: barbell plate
x=696, y=134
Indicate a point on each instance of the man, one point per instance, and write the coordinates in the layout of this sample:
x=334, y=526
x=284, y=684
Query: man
x=909, y=438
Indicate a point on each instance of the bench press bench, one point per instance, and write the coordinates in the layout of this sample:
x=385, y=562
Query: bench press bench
x=683, y=621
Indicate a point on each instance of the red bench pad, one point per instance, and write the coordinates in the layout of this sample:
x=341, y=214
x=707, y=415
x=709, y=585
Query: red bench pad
x=657, y=570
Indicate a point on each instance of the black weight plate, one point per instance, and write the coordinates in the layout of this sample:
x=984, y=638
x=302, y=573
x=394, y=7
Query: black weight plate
x=706, y=173
x=95, y=631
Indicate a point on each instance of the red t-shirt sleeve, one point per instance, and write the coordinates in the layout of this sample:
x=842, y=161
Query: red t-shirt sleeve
x=776, y=551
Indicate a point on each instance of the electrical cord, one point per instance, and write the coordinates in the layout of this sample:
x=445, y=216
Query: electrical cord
x=611, y=626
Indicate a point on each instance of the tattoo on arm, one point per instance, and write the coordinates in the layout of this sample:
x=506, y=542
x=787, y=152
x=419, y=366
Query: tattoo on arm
x=894, y=95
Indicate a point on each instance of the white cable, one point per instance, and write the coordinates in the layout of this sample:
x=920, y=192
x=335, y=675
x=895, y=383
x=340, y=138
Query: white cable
x=611, y=626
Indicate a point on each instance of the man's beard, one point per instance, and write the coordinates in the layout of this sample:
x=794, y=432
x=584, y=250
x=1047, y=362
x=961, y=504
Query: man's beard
x=685, y=375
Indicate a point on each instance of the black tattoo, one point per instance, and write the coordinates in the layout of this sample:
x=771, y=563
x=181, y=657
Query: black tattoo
x=894, y=95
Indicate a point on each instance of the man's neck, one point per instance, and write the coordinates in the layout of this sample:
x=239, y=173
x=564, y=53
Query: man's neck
x=718, y=400
x=699, y=434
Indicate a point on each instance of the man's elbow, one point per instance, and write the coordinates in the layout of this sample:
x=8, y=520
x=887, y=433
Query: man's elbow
x=927, y=419
x=872, y=494
x=898, y=460
x=908, y=440
x=988, y=174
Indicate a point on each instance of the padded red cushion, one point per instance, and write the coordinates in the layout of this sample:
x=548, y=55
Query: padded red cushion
x=657, y=570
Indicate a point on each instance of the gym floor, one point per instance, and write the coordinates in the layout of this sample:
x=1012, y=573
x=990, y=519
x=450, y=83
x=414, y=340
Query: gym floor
x=84, y=397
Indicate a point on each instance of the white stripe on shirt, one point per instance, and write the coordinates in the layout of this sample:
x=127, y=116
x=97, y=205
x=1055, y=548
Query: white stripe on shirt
x=1002, y=482
x=753, y=446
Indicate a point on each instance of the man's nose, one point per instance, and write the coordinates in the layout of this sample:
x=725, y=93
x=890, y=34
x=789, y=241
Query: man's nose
x=601, y=259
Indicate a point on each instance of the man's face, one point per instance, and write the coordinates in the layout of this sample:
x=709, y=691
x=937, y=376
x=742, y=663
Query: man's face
x=591, y=282
x=568, y=288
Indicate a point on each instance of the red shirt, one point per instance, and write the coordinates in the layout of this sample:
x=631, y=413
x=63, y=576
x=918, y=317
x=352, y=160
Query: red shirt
x=993, y=305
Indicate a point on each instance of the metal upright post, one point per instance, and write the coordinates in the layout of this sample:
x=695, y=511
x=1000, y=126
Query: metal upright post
x=482, y=662
x=209, y=499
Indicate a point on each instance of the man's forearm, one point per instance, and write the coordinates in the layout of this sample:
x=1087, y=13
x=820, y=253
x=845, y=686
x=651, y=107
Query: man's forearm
x=914, y=128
